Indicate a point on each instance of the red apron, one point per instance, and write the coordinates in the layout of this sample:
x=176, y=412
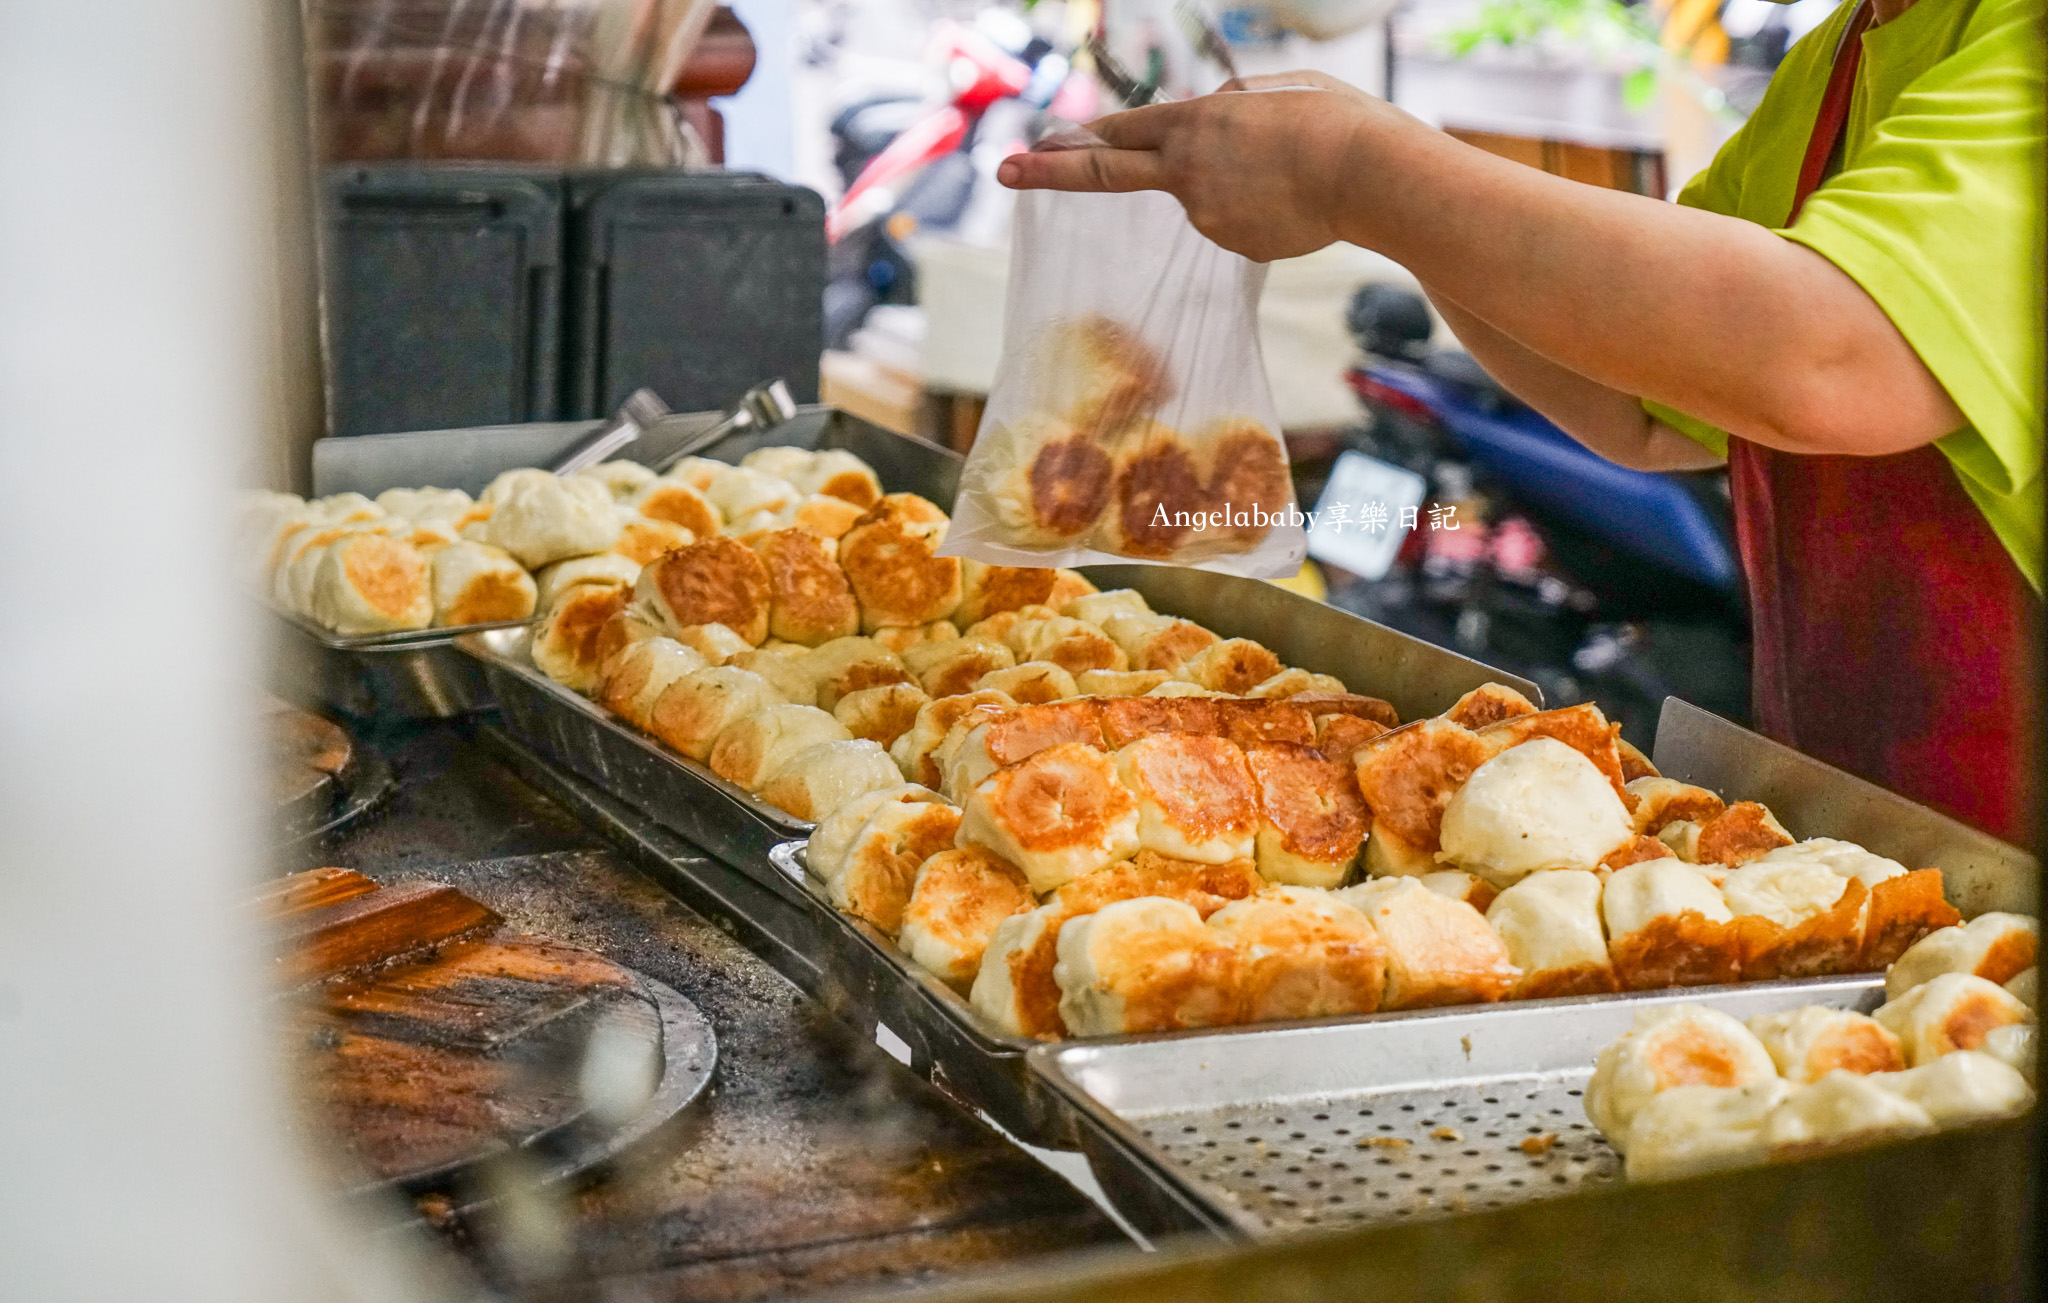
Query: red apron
x=1894, y=636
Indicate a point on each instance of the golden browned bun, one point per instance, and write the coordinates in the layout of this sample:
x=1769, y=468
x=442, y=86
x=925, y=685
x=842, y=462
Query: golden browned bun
x=787, y=670
x=1014, y=986
x=1667, y=925
x=1076, y=646
x=1634, y=764
x=1407, y=777
x=1311, y=820
x=826, y=850
x=1208, y=887
x=643, y=538
x=1439, y=951
x=741, y=491
x=1146, y=965
x=1635, y=851
x=751, y=749
x=1550, y=923
x=809, y=600
x=429, y=536
x=718, y=643
x=946, y=669
x=836, y=473
x=1100, y=375
x=1739, y=834
x=1338, y=737
x=900, y=638
x=1996, y=947
x=1954, y=1011
x=1046, y=482
x=1195, y=796
x=1582, y=728
x=826, y=775
x=1810, y=1042
x=1031, y=683
x=1460, y=885
x=629, y=625
x=566, y=645
x=956, y=901
x=888, y=558
x=849, y=664
x=1346, y=703
x=1005, y=738
x=1156, y=495
x=913, y=751
x=1158, y=642
x=827, y=517
x=1293, y=682
x=551, y=581
x=996, y=628
x=697, y=472
x=1489, y=703
x=1251, y=723
x=1246, y=474
x=1306, y=954
x=370, y=584
x=1661, y=801
x=698, y=707
x=881, y=864
x=1119, y=683
x=987, y=589
x=712, y=581
x=882, y=713
x=1098, y=607
x=679, y=504
x=1056, y=816
x=475, y=583
x=635, y=679
x=1235, y=666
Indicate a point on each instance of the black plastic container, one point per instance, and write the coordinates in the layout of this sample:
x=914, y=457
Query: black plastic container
x=444, y=305
x=695, y=285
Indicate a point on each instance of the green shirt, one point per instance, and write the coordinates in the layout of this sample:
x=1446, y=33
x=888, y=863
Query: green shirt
x=1936, y=212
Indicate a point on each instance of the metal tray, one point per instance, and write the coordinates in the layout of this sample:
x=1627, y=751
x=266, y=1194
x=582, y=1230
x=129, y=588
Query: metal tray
x=417, y=674
x=1291, y=1129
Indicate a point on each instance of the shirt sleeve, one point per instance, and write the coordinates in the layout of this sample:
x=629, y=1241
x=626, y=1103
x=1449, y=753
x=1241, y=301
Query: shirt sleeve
x=1939, y=220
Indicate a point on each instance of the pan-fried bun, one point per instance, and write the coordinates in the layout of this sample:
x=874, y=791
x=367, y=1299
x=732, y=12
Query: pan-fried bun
x=912, y=751
x=956, y=901
x=900, y=638
x=1074, y=645
x=679, y=504
x=1099, y=374
x=888, y=557
x=712, y=581
x=1031, y=682
x=1195, y=797
x=809, y=600
x=847, y=665
x=836, y=473
x=1407, y=777
x=1662, y=801
x=1951, y=1012
x=786, y=671
x=996, y=628
x=1097, y=607
x=1667, y=925
x=1311, y=820
x=566, y=644
x=780, y=460
x=1014, y=986
x=1810, y=1042
x=1146, y=965
x=1156, y=494
x=1208, y=887
x=1293, y=682
x=824, y=776
x=882, y=863
x=1306, y=955
x=1439, y=951
x=987, y=589
x=1339, y=737
x=1157, y=642
x=826, y=851
x=1489, y=703
x=698, y=707
x=697, y=472
x=1046, y=481
x=881, y=714
x=1996, y=947
x=643, y=538
x=543, y=519
x=1118, y=683
x=751, y=749
x=639, y=674
x=552, y=581
x=946, y=669
x=740, y=491
x=1742, y=832
x=475, y=583
x=1056, y=816
x=827, y=517
x=1550, y=923
x=1671, y=1046
x=1246, y=468
x=366, y=583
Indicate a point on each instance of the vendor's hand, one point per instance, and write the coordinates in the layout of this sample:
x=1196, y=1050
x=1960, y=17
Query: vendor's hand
x=1265, y=174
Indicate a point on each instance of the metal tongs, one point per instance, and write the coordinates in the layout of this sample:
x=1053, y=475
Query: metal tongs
x=763, y=407
x=642, y=408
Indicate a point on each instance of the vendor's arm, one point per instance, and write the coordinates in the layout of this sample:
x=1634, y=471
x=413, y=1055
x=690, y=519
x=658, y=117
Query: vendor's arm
x=1606, y=420
x=1711, y=315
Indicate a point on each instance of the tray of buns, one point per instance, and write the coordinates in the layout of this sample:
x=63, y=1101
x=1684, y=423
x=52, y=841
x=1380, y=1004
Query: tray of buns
x=1289, y=1130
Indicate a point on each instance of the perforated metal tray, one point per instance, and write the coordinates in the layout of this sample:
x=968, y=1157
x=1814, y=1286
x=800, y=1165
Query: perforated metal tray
x=1285, y=1130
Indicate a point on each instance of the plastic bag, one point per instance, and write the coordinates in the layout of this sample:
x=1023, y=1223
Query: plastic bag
x=1130, y=419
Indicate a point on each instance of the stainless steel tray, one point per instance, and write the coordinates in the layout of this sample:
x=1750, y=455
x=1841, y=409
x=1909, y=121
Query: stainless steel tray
x=1286, y=1130
x=417, y=674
